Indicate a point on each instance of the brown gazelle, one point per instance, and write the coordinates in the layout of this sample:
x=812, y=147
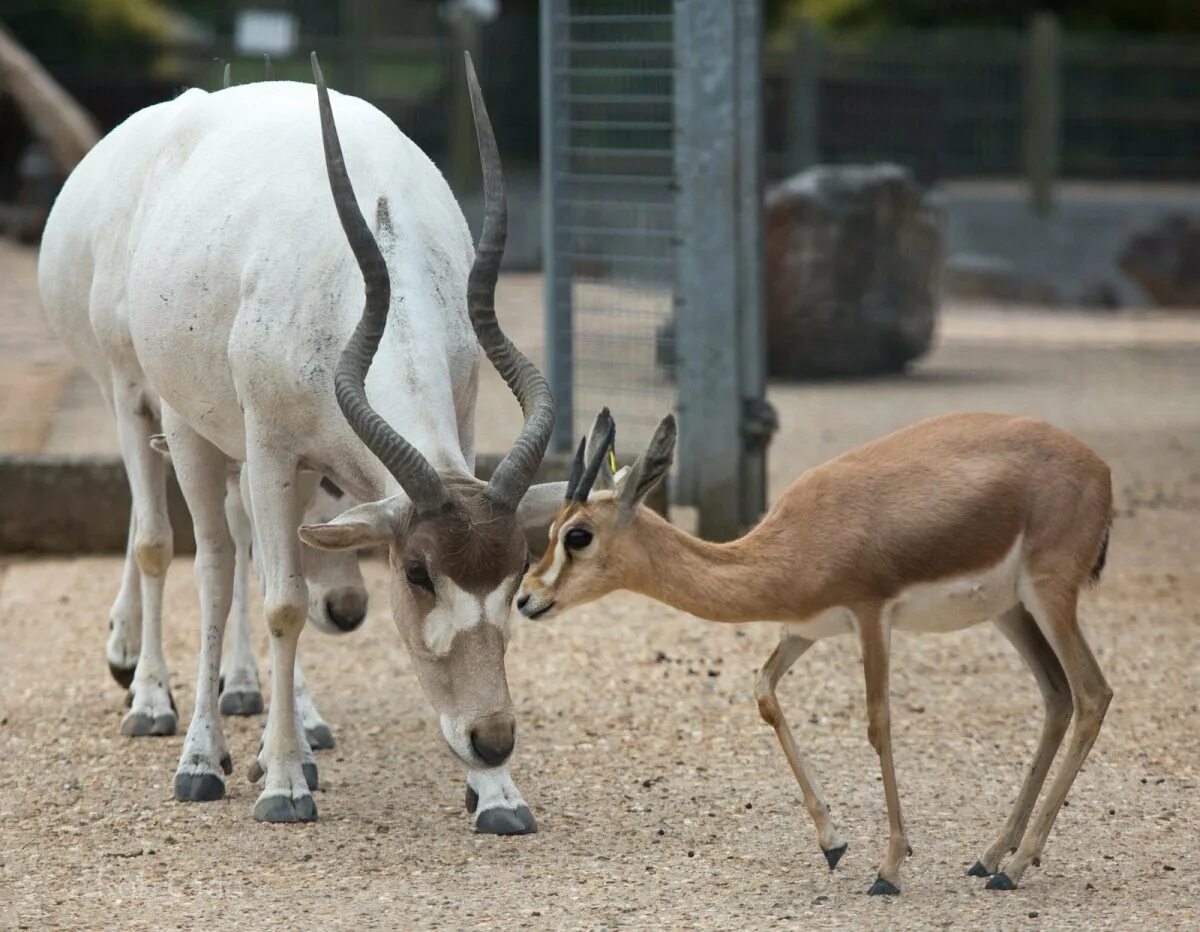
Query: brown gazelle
x=940, y=526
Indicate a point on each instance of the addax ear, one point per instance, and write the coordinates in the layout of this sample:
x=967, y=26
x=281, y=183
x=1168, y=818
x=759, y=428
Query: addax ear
x=634, y=485
x=540, y=504
x=366, y=525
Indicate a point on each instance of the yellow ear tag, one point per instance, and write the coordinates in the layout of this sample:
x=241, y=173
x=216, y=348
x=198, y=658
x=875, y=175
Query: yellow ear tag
x=612, y=460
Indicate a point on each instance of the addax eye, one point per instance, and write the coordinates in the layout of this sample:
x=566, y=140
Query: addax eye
x=577, y=538
x=418, y=575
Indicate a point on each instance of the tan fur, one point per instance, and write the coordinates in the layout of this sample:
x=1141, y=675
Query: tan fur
x=942, y=499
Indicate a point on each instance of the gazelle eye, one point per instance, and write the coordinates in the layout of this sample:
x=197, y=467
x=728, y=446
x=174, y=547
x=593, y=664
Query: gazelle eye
x=418, y=575
x=577, y=538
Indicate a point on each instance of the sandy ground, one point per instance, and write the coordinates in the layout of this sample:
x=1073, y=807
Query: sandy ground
x=663, y=801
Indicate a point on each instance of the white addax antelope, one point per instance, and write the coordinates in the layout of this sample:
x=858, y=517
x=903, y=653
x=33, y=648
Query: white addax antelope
x=952, y=522
x=217, y=261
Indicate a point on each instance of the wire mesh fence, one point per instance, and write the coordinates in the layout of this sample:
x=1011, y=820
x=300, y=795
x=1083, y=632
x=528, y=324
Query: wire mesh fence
x=611, y=179
x=954, y=103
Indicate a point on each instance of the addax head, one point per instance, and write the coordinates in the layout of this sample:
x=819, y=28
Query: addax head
x=457, y=544
x=592, y=537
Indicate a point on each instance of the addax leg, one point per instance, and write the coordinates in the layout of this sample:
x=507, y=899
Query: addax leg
x=1053, y=606
x=787, y=652
x=125, y=618
x=276, y=510
x=316, y=730
x=497, y=805
x=1022, y=632
x=152, y=710
x=876, y=648
x=240, y=692
x=201, y=469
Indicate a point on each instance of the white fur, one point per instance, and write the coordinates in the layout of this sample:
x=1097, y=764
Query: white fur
x=200, y=242
x=458, y=610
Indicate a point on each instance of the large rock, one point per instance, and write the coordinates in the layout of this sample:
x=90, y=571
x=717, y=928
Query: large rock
x=854, y=255
x=1165, y=261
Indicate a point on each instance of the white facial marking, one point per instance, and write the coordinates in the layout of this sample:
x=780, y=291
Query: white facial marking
x=550, y=577
x=457, y=610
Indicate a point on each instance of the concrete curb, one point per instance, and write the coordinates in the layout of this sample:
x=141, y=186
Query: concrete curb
x=51, y=504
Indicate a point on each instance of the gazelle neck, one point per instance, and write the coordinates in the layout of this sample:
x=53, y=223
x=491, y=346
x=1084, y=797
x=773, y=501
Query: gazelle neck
x=717, y=581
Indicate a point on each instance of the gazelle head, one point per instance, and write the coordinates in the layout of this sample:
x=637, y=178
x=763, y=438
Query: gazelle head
x=457, y=545
x=590, y=541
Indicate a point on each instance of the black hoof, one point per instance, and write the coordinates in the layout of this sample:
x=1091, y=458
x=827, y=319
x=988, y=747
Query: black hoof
x=472, y=800
x=320, y=738
x=526, y=816
x=310, y=775
x=123, y=675
x=227, y=764
x=240, y=703
x=833, y=855
x=500, y=822
x=1001, y=882
x=883, y=887
x=285, y=809
x=137, y=725
x=978, y=870
x=199, y=787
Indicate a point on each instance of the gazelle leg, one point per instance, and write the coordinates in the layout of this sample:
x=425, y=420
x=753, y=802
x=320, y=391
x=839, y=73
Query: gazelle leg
x=875, y=639
x=152, y=709
x=276, y=509
x=787, y=652
x=1022, y=632
x=125, y=618
x=1053, y=606
x=240, y=692
x=201, y=469
x=316, y=730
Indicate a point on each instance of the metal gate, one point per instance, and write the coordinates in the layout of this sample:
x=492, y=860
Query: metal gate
x=652, y=236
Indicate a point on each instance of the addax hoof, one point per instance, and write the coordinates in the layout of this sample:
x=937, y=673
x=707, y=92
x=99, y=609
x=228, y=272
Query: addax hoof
x=833, y=855
x=526, y=816
x=310, y=775
x=320, y=738
x=138, y=725
x=240, y=703
x=978, y=870
x=1001, y=882
x=123, y=675
x=285, y=809
x=501, y=822
x=198, y=787
x=883, y=887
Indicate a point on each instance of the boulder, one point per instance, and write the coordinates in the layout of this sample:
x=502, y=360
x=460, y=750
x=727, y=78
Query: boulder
x=1165, y=260
x=853, y=261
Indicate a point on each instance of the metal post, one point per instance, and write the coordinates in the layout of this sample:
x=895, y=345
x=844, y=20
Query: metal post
x=758, y=419
x=803, y=87
x=716, y=162
x=556, y=267
x=1042, y=110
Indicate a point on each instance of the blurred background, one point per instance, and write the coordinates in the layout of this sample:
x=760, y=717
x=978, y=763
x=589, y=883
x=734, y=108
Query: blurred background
x=744, y=212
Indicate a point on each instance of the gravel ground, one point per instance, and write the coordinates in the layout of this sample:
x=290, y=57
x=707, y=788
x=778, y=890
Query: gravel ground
x=663, y=801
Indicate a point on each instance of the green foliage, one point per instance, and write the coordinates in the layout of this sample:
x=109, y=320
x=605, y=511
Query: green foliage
x=81, y=34
x=1141, y=16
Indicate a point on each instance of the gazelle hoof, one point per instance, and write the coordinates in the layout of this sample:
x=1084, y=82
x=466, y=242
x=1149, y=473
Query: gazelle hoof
x=833, y=855
x=1001, y=882
x=883, y=887
x=978, y=870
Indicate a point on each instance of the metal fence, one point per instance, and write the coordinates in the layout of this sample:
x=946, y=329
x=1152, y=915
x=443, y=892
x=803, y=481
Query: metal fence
x=968, y=103
x=608, y=183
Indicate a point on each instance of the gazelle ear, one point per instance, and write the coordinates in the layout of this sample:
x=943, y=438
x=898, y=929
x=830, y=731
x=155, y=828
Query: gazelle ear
x=634, y=485
x=368, y=525
x=603, y=429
